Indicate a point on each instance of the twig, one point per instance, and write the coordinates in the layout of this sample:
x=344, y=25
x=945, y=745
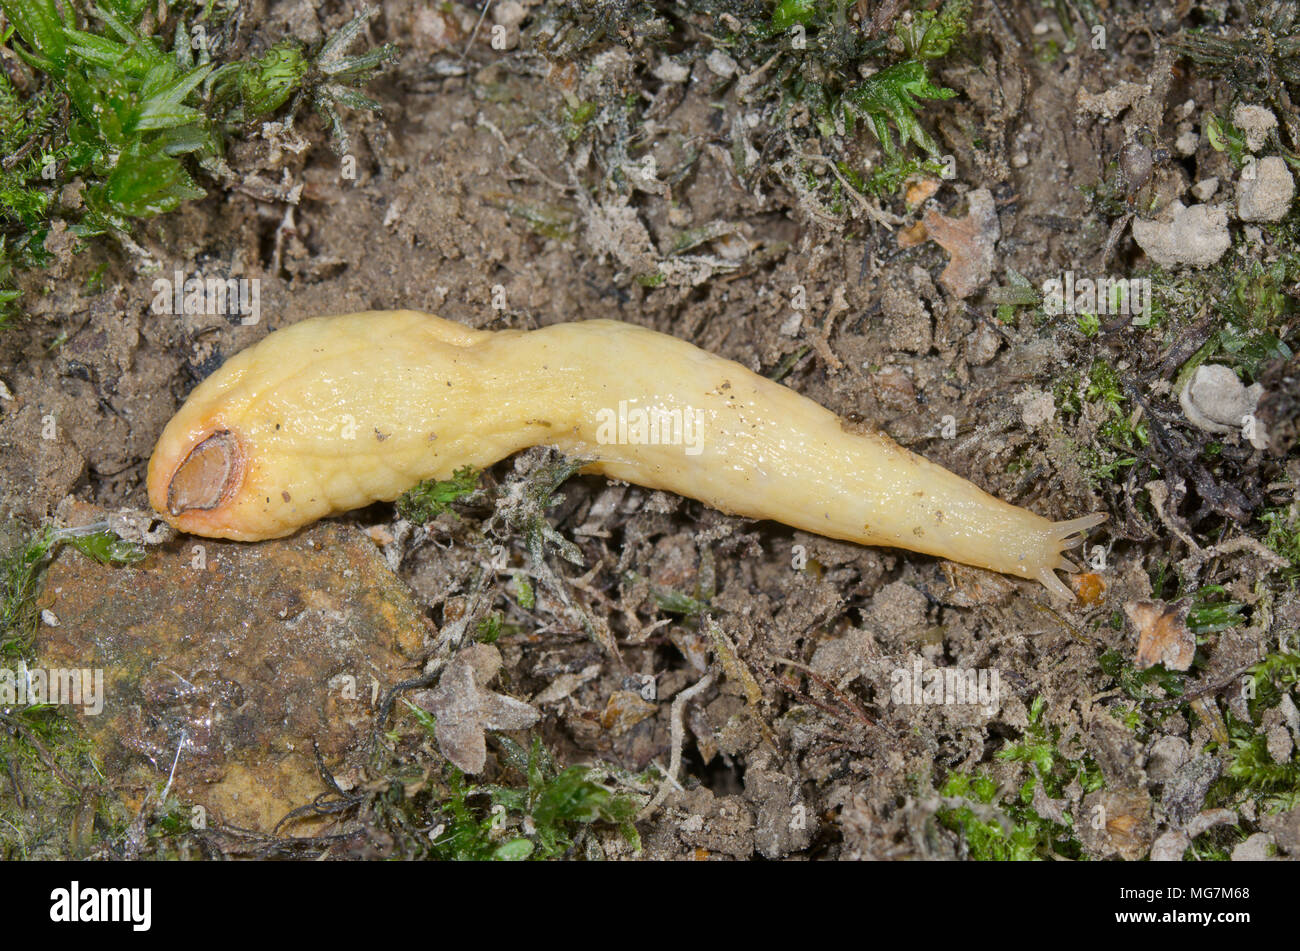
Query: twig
x=474, y=35
x=677, y=734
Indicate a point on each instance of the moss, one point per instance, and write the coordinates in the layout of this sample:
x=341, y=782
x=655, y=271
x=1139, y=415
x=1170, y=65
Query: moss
x=1025, y=834
x=432, y=497
x=51, y=803
x=131, y=101
x=548, y=813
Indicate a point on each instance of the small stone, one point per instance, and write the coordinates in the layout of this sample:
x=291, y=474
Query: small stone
x=906, y=317
x=841, y=656
x=1036, y=407
x=1265, y=190
x=1290, y=715
x=1204, y=189
x=1186, y=143
x=670, y=71
x=1255, y=122
x=898, y=607
x=1113, y=101
x=894, y=388
x=982, y=345
x=247, y=660
x=1258, y=848
x=508, y=14
x=1216, y=401
x=1170, y=846
x=434, y=30
x=783, y=823
x=49, y=618
x=1285, y=829
x=1166, y=756
x=1196, y=235
x=1185, y=791
x=721, y=64
x=1280, y=745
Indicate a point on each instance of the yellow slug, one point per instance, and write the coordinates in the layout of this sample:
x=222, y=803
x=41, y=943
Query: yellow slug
x=334, y=413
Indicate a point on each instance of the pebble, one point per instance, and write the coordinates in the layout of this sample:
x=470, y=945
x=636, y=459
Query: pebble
x=1264, y=192
x=1195, y=235
x=722, y=64
x=1216, y=401
x=1255, y=122
x=1258, y=848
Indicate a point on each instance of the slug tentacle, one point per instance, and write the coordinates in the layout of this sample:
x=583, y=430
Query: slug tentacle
x=1073, y=527
x=333, y=413
x=1054, y=584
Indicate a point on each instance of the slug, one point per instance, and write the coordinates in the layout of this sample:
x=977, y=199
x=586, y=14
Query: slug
x=334, y=413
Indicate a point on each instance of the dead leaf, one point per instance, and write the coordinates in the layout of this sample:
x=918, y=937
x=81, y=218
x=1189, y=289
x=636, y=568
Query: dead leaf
x=969, y=240
x=912, y=235
x=1163, y=635
x=465, y=711
x=920, y=191
x=625, y=709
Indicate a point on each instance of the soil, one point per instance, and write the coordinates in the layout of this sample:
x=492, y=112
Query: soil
x=470, y=192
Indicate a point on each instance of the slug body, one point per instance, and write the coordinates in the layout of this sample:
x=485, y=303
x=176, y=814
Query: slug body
x=334, y=413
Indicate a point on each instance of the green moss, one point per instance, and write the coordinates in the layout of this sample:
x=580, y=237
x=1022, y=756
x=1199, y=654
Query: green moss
x=131, y=101
x=1212, y=611
x=432, y=497
x=552, y=813
x=1022, y=833
x=1283, y=536
x=1152, y=684
x=51, y=805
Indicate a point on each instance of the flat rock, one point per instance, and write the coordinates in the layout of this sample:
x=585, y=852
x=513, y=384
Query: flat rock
x=240, y=657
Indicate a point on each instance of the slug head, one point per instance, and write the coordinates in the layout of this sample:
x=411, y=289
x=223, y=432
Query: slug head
x=218, y=469
x=210, y=474
x=294, y=428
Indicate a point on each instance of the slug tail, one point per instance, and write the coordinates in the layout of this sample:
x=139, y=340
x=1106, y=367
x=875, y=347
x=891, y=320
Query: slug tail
x=1067, y=535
